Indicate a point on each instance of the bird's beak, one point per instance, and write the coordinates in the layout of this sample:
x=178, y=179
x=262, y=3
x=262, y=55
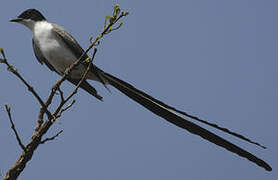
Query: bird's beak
x=16, y=20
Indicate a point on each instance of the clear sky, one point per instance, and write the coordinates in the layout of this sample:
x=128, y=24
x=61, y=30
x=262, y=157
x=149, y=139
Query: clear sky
x=215, y=59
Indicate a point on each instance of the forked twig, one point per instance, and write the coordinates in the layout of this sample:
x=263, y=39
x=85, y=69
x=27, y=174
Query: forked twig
x=51, y=138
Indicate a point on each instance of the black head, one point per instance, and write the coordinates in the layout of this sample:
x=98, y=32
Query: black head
x=31, y=14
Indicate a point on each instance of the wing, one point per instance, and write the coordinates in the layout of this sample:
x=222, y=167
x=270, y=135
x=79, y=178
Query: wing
x=74, y=46
x=40, y=56
x=70, y=42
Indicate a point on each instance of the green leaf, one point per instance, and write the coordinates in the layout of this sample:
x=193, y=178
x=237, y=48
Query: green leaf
x=91, y=39
x=112, y=19
x=116, y=10
x=106, y=19
x=2, y=52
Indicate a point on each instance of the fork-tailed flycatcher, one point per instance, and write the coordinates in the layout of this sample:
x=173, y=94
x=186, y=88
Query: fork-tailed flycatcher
x=57, y=49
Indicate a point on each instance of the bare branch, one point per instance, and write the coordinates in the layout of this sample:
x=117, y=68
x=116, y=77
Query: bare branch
x=40, y=119
x=29, y=87
x=51, y=138
x=61, y=94
x=65, y=109
x=8, y=109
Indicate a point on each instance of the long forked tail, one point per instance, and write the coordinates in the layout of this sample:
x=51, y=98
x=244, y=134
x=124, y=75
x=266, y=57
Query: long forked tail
x=175, y=116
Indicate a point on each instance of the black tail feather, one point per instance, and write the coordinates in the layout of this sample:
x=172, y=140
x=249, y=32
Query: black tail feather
x=164, y=111
x=217, y=127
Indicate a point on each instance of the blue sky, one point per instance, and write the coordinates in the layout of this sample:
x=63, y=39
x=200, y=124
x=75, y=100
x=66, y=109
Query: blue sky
x=215, y=59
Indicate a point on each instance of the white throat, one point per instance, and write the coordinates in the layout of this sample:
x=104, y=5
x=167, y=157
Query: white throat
x=28, y=23
x=41, y=27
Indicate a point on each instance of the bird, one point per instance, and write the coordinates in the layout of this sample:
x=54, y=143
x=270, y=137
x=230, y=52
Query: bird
x=57, y=49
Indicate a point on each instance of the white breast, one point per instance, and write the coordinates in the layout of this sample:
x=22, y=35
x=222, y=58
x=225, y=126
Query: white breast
x=53, y=49
x=56, y=51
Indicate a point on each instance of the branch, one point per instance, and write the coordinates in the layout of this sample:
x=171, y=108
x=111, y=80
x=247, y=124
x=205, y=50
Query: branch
x=61, y=94
x=40, y=119
x=65, y=109
x=43, y=126
x=29, y=87
x=8, y=109
x=51, y=138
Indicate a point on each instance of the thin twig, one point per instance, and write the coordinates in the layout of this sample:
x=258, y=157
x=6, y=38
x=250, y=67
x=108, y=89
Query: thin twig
x=65, y=109
x=61, y=94
x=29, y=87
x=51, y=138
x=8, y=109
